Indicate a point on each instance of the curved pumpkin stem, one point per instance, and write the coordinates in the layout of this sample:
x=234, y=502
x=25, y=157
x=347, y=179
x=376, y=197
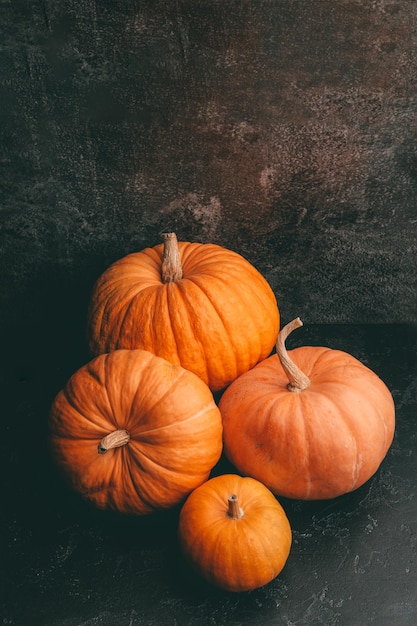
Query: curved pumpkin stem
x=234, y=511
x=115, y=439
x=298, y=381
x=171, y=261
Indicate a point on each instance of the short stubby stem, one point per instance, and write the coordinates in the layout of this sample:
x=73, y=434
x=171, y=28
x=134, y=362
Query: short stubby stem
x=234, y=511
x=298, y=381
x=115, y=439
x=171, y=269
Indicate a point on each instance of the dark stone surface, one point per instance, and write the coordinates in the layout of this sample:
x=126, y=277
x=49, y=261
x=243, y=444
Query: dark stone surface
x=283, y=129
x=353, y=559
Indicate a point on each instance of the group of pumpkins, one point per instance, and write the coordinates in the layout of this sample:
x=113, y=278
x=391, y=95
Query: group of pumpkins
x=138, y=429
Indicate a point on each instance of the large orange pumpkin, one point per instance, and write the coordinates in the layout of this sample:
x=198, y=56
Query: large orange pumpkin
x=234, y=533
x=312, y=423
x=135, y=433
x=198, y=305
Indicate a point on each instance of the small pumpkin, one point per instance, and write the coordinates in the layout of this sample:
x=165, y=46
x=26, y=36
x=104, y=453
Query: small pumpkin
x=134, y=433
x=313, y=423
x=197, y=305
x=234, y=533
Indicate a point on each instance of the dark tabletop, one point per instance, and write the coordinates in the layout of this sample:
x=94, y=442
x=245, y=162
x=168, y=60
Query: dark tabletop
x=353, y=559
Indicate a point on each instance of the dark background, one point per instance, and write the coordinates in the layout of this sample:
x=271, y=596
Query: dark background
x=282, y=129
x=285, y=130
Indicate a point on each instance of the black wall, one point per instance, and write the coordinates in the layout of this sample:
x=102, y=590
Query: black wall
x=284, y=130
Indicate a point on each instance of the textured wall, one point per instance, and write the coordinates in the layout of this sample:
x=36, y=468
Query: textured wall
x=285, y=130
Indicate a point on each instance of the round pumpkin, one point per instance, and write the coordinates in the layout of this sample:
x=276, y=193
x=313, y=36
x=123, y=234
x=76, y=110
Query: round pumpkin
x=134, y=433
x=197, y=305
x=311, y=423
x=234, y=533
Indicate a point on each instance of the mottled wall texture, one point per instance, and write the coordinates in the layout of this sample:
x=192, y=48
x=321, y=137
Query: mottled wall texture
x=282, y=129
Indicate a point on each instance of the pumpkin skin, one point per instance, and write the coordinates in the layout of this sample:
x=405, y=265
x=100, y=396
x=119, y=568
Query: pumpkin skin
x=311, y=443
x=234, y=554
x=214, y=313
x=162, y=419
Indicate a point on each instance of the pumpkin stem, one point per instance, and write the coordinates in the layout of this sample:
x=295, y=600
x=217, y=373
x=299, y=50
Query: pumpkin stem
x=298, y=380
x=234, y=511
x=115, y=439
x=171, y=261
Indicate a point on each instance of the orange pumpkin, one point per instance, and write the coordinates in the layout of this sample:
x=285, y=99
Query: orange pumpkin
x=312, y=423
x=198, y=305
x=135, y=433
x=234, y=533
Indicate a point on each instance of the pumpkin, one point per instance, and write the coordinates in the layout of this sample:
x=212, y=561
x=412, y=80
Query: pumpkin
x=197, y=305
x=234, y=533
x=312, y=423
x=134, y=433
